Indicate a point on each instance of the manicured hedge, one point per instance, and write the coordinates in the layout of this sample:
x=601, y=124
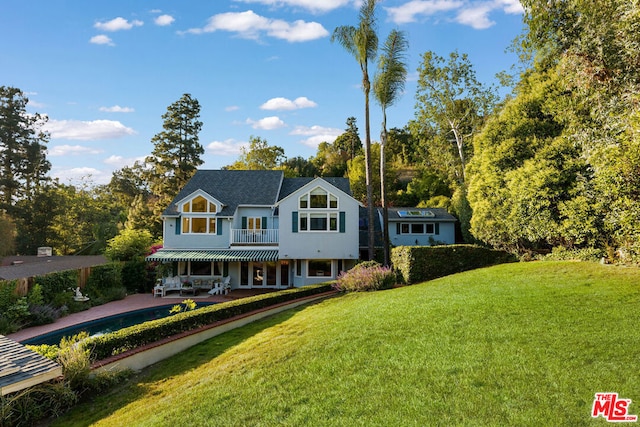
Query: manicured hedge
x=420, y=263
x=135, y=336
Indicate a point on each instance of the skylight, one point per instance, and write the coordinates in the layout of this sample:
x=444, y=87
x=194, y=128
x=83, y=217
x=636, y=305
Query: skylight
x=416, y=213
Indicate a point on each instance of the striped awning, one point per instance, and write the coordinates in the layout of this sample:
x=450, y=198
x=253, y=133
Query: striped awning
x=215, y=255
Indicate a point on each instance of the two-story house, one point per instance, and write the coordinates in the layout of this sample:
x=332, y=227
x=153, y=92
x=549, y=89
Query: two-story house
x=260, y=229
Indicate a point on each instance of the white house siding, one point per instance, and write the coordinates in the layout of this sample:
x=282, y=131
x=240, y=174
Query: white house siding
x=174, y=240
x=341, y=248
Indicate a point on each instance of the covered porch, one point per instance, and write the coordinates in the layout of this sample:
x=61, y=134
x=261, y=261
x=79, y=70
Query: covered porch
x=243, y=268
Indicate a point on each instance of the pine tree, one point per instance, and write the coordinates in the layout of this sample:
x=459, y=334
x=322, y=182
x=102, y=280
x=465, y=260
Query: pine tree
x=23, y=163
x=176, y=154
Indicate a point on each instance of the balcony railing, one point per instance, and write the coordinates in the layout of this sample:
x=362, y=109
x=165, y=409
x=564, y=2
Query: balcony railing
x=254, y=237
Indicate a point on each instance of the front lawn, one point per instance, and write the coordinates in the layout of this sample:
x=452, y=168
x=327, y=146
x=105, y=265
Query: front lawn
x=517, y=344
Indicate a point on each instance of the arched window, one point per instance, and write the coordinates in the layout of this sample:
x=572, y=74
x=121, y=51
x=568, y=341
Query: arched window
x=198, y=216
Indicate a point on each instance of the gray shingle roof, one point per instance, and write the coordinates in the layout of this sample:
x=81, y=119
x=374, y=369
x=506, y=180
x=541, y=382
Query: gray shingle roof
x=242, y=187
x=21, y=368
x=30, y=266
x=290, y=185
x=233, y=188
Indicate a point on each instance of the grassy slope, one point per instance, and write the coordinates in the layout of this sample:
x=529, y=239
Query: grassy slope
x=519, y=344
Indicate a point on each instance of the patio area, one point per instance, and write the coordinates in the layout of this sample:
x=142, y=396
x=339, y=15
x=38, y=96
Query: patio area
x=130, y=303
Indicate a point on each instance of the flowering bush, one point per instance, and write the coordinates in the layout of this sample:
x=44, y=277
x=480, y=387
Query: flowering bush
x=369, y=277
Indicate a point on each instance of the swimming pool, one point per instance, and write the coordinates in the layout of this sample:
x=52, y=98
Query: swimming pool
x=106, y=324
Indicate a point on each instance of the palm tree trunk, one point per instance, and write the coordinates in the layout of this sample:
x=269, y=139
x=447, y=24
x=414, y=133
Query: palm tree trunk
x=367, y=165
x=383, y=192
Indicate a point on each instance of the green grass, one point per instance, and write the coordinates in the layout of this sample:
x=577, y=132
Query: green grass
x=525, y=344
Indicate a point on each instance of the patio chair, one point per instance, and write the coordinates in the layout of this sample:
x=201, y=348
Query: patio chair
x=226, y=284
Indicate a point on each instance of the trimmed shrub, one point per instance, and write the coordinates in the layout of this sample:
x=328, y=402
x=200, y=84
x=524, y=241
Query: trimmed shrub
x=368, y=276
x=105, y=284
x=57, y=288
x=421, y=263
x=563, y=254
x=135, y=336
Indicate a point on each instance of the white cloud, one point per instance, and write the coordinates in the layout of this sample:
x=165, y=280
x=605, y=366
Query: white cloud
x=102, y=39
x=35, y=104
x=511, y=6
x=232, y=108
x=118, y=24
x=472, y=13
x=164, y=20
x=117, y=109
x=229, y=147
x=87, y=131
x=249, y=25
x=267, y=123
x=409, y=12
x=119, y=162
x=71, y=150
x=316, y=134
x=312, y=5
x=476, y=17
x=286, y=104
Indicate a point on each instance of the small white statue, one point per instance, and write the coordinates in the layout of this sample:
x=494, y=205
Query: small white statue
x=79, y=296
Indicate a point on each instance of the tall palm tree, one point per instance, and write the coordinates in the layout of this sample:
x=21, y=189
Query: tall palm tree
x=362, y=43
x=388, y=85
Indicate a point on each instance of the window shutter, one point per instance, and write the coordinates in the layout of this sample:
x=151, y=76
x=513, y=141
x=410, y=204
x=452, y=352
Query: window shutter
x=177, y=225
x=343, y=221
x=225, y=269
x=294, y=222
x=219, y=227
x=264, y=222
x=437, y=228
x=244, y=222
x=397, y=228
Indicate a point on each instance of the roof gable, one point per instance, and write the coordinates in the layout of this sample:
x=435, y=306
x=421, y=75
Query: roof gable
x=295, y=185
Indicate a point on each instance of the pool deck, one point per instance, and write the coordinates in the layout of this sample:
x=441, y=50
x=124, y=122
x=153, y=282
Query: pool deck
x=130, y=303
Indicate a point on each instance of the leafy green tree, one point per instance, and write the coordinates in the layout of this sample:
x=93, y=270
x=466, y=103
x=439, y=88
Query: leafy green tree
x=402, y=147
x=129, y=244
x=34, y=216
x=349, y=142
x=299, y=167
x=7, y=235
x=524, y=173
x=452, y=100
x=131, y=191
x=83, y=219
x=329, y=160
x=388, y=85
x=176, y=153
x=23, y=163
x=259, y=156
x=362, y=43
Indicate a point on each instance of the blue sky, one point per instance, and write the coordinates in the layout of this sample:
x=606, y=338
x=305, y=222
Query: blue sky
x=104, y=71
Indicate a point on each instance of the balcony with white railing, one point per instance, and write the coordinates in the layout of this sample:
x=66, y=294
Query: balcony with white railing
x=254, y=237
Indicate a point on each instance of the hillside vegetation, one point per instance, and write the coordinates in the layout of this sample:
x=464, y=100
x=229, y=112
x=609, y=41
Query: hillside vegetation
x=516, y=344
